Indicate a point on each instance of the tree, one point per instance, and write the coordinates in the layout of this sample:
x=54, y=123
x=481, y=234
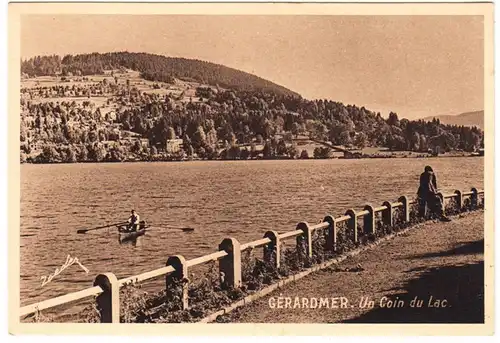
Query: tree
x=211, y=138
x=253, y=150
x=170, y=133
x=84, y=137
x=201, y=152
x=267, y=128
x=232, y=138
x=225, y=132
x=49, y=154
x=336, y=129
x=259, y=139
x=292, y=151
x=304, y=155
x=295, y=129
x=189, y=149
x=153, y=151
x=23, y=132
x=360, y=140
x=281, y=148
x=126, y=125
x=233, y=152
x=320, y=131
x=186, y=140
x=288, y=137
x=137, y=147
x=396, y=142
x=244, y=154
x=96, y=152
x=414, y=143
x=82, y=155
x=139, y=126
x=115, y=154
x=423, y=144
x=70, y=155
x=344, y=138
x=317, y=153
x=199, y=138
x=393, y=119
x=93, y=136
x=267, y=152
x=322, y=152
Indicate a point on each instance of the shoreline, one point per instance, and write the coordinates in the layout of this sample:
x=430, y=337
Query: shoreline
x=395, y=156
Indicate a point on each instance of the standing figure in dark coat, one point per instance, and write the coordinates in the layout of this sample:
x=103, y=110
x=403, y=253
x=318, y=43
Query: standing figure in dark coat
x=428, y=196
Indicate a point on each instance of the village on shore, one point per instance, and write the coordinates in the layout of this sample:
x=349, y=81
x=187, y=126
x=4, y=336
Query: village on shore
x=120, y=115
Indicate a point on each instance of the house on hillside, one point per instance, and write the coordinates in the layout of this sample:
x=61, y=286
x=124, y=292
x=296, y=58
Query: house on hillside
x=129, y=134
x=108, y=116
x=144, y=142
x=109, y=144
x=173, y=145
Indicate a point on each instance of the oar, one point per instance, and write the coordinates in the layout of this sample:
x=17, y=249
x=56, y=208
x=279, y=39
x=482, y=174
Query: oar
x=176, y=228
x=99, y=227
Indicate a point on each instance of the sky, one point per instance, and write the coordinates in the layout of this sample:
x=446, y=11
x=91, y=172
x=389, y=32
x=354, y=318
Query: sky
x=416, y=66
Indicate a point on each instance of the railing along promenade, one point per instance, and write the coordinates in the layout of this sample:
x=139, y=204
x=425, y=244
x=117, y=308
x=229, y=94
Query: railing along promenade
x=107, y=287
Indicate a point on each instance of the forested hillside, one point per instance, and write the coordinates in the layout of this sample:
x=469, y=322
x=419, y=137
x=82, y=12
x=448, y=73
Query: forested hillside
x=152, y=67
x=116, y=115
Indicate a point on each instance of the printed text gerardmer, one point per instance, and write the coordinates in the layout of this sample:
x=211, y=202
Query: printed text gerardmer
x=343, y=302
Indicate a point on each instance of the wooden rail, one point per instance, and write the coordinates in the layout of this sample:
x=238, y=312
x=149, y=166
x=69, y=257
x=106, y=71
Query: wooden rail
x=107, y=287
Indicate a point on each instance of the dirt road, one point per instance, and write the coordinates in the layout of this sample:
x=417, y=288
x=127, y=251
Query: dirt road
x=433, y=273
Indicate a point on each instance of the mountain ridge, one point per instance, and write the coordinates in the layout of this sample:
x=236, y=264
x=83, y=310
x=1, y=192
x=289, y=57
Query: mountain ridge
x=472, y=118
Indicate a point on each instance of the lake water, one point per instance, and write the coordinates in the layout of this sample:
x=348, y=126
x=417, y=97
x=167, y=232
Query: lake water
x=219, y=199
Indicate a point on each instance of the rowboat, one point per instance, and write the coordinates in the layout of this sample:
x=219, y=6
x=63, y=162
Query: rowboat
x=125, y=234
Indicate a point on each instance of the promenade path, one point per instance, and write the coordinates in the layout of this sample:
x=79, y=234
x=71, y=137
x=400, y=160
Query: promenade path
x=439, y=260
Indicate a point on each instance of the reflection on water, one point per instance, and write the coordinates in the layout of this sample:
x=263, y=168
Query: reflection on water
x=240, y=199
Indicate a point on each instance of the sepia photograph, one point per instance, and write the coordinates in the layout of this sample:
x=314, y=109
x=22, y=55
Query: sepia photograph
x=251, y=163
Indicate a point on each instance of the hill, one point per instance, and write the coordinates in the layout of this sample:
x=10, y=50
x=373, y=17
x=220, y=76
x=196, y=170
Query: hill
x=475, y=118
x=136, y=108
x=153, y=68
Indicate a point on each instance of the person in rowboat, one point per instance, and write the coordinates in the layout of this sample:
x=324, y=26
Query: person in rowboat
x=133, y=221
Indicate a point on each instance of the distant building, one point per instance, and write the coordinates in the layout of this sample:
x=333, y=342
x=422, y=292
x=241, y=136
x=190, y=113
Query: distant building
x=126, y=134
x=173, y=145
x=144, y=142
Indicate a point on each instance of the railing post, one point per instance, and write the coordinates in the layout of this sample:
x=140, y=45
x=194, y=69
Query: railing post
x=178, y=277
x=474, y=198
x=353, y=223
x=108, y=302
x=460, y=200
x=406, y=208
x=331, y=235
x=387, y=214
x=369, y=220
x=305, y=238
x=230, y=265
x=272, y=251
